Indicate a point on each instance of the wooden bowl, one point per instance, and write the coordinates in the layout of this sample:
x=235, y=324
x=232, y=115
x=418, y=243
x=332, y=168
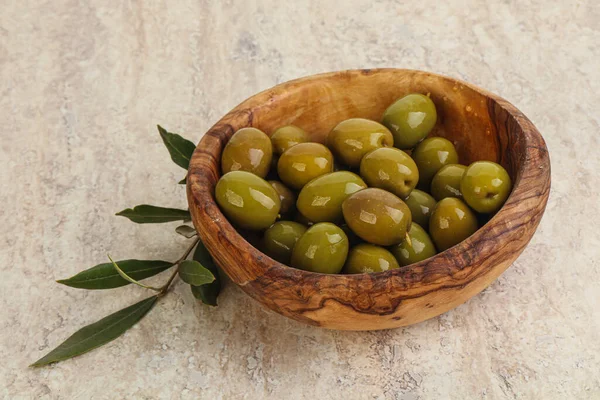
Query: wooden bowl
x=481, y=125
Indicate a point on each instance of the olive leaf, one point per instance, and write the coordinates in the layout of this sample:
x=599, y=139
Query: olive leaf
x=207, y=293
x=186, y=230
x=146, y=214
x=105, y=276
x=99, y=333
x=180, y=149
x=194, y=273
x=130, y=279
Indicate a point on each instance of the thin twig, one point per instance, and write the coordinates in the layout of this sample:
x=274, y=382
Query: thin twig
x=185, y=255
x=130, y=279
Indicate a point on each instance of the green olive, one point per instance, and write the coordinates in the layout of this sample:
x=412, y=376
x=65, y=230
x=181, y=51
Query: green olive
x=321, y=199
x=446, y=182
x=323, y=248
x=366, y=258
x=287, y=136
x=420, y=247
x=249, y=149
x=351, y=139
x=390, y=169
x=421, y=205
x=431, y=155
x=280, y=239
x=247, y=200
x=303, y=162
x=485, y=186
x=286, y=196
x=377, y=216
x=451, y=222
x=410, y=119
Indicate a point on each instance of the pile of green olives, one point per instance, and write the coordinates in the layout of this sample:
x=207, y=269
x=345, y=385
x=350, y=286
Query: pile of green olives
x=375, y=196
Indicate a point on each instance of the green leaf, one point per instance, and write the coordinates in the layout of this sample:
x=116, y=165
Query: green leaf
x=104, y=276
x=183, y=181
x=194, y=273
x=180, y=149
x=146, y=214
x=207, y=293
x=99, y=333
x=186, y=230
x=130, y=279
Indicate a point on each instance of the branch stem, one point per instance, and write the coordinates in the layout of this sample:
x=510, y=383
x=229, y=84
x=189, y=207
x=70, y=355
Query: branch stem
x=165, y=288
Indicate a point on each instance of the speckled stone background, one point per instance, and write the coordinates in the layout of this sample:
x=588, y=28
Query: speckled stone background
x=82, y=86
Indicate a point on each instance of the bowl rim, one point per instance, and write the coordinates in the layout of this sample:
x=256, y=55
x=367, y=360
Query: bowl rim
x=214, y=223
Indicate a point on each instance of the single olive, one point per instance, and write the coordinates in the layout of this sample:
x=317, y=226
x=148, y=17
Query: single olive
x=287, y=136
x=451, y=222
x=446, y=182
x=377, y=216
x=247, y=200
x=303, y=162
x=420, y=247
x=421, y=205
x=280, y=239
x=390, y=169
x=410, y=119
x=321, y=199
x=287, y=197
x=366, y=258
x=351, y=139
x=323, y=248
x=485, y=186
x=249, y=149
x=431, y=155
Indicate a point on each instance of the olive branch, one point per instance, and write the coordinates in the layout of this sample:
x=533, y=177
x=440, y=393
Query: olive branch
x=200, y=272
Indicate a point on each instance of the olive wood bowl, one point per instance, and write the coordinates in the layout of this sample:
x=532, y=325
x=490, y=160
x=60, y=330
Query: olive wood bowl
x=481, y=125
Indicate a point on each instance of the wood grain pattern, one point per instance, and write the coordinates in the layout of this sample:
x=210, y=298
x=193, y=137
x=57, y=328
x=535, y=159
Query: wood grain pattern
x=482, y=127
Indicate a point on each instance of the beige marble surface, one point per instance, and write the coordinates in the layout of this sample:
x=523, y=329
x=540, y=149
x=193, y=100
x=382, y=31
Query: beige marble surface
x=82, y=85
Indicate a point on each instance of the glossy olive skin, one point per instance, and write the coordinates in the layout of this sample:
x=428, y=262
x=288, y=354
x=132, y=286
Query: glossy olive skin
x=351, y=139
x=303, y=162
x=320, y=200
x=420, y=248
x=280, y=239
x=430, y=156
x=485, y=186
x=247, y=200
x=446, y=182
x=410, y=119
x=249, y=149
x=451, y=222
x=323, y=248
x=377, y=216
x=390, y=169
x=286, y=196
x=366, y=258
x=287, y=136
x=421, y=205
